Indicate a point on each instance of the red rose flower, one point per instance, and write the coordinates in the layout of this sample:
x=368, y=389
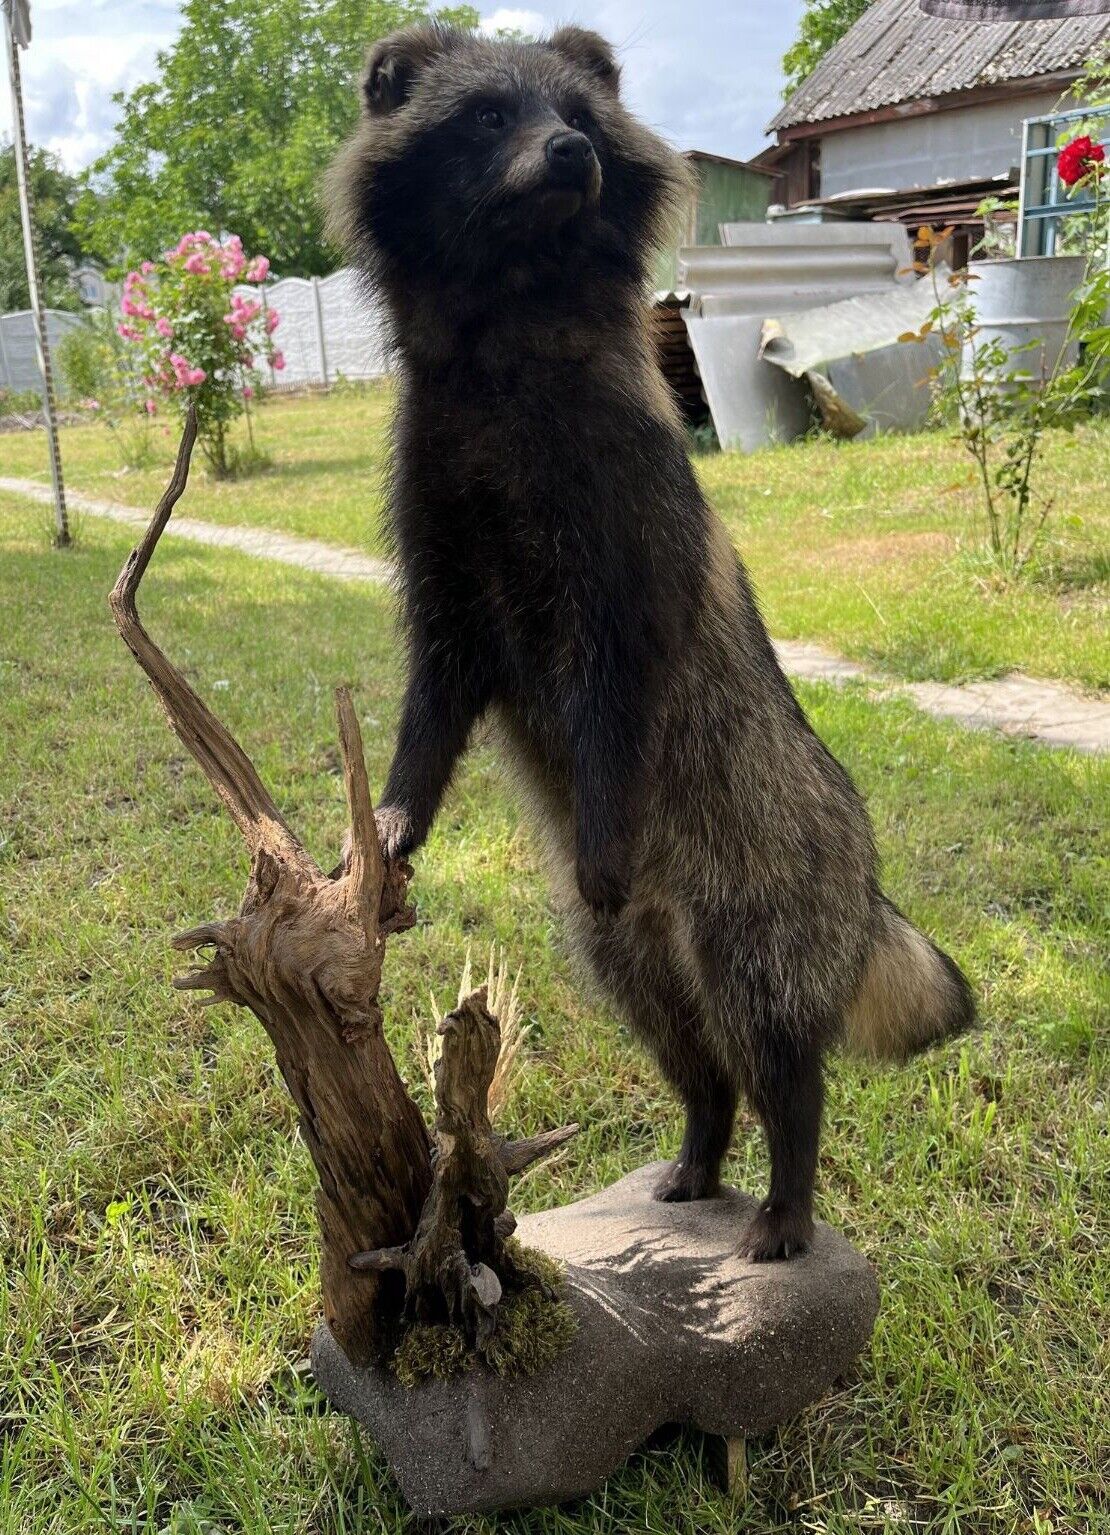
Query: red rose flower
x=1078, y=159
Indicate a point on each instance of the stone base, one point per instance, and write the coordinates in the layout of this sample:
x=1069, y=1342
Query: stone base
x=673, y=1327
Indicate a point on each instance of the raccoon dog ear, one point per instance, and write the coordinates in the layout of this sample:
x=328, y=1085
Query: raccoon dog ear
x=590, y=52
x=394, y=63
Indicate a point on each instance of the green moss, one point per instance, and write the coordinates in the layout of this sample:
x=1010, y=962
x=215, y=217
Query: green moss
x=532, y=1330
x=431, y=1351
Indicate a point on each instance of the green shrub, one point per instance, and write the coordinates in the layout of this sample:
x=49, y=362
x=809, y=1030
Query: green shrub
x=100, y=380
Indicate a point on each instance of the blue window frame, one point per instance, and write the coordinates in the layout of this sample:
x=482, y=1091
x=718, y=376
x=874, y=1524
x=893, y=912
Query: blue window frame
x=1044, y=204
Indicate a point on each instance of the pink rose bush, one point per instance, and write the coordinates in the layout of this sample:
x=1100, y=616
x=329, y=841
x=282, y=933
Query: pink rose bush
x=195, y=338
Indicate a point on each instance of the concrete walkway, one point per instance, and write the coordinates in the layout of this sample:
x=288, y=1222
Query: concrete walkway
x=1015, y=705
x=304, y=553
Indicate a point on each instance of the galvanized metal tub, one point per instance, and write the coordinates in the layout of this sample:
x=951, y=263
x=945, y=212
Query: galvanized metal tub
x=1025, y=304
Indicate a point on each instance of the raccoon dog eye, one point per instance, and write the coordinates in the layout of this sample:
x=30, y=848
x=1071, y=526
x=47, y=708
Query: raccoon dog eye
x=490, y=117
x=579, y=121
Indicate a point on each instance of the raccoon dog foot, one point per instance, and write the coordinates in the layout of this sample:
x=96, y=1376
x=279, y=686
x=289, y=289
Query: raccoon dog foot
x=684, y=1181
x=775, y=1234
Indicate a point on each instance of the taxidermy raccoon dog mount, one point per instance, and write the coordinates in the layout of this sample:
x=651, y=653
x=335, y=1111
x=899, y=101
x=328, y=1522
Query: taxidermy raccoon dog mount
x=563, y=577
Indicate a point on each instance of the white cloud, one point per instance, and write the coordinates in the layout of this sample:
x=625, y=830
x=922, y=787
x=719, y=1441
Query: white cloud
x=705, y=73
x=78, y=58
x=706, y=76
x=506, y=19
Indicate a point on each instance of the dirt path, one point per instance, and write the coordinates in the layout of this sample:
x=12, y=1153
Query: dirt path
x=1015, y=705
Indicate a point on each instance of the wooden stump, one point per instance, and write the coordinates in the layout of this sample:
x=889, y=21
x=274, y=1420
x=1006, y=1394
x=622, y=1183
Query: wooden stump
x=305, y=955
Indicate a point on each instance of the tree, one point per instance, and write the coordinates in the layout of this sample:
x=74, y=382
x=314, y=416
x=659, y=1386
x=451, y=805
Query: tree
x=824, y=22
x=54, y=193
x=234, y=134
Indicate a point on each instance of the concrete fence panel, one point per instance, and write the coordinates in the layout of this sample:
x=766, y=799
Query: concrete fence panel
x=330, y=328
x=19, y=363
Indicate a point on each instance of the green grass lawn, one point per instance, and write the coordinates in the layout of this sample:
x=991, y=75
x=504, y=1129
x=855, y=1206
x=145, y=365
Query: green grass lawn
x=875, y=549
x=324, y=480
x=870, y=548
x=156, y=1228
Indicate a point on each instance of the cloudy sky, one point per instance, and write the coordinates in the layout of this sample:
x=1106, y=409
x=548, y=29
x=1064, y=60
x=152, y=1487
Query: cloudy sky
x=704, y=72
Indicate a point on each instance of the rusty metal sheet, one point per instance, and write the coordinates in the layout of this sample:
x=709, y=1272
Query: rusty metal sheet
x=864, y=379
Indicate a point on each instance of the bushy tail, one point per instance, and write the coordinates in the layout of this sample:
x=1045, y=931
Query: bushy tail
x=911, y=996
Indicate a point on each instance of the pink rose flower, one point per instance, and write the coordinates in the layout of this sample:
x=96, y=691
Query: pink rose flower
x=248, y=392
x=163, y=327
x=259, y=269
x=197, y=264
x=185, y=375
x=150, y=407
x=273, y=320
x=277, y=362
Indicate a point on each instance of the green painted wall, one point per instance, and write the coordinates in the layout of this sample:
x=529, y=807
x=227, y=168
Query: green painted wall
x=726, y=194
x=729, y=195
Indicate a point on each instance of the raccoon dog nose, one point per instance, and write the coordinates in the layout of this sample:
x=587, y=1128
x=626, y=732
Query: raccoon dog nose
x=570, y=157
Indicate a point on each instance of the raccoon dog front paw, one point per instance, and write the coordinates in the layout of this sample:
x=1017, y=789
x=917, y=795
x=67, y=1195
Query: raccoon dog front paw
x=396, y=838
x=397, y=835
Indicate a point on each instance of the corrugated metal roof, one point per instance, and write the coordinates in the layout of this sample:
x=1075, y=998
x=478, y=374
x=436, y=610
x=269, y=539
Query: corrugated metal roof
x=895, y=54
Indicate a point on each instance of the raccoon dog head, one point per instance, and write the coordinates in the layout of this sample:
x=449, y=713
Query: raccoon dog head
x=480, y=161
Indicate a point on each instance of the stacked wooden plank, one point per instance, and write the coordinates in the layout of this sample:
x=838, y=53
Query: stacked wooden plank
x=668, y=329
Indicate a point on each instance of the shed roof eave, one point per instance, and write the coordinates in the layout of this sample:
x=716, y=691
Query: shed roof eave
x=895, y=54
x=744, y=165
x=924, y=106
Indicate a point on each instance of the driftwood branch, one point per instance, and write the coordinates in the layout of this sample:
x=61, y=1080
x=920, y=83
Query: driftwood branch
x=429, y=1222
x=305, y=955
x=516, y=1156
x=221, y=759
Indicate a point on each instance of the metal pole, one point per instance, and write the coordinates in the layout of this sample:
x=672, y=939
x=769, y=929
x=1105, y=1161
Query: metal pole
x=23, y=179
x=1023, y=191
x=322, y=348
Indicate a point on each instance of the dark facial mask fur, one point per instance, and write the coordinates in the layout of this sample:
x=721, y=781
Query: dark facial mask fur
x=564, y=582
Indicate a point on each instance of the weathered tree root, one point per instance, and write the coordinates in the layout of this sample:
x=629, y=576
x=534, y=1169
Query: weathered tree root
x=457, y=1257
x=305, y=955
